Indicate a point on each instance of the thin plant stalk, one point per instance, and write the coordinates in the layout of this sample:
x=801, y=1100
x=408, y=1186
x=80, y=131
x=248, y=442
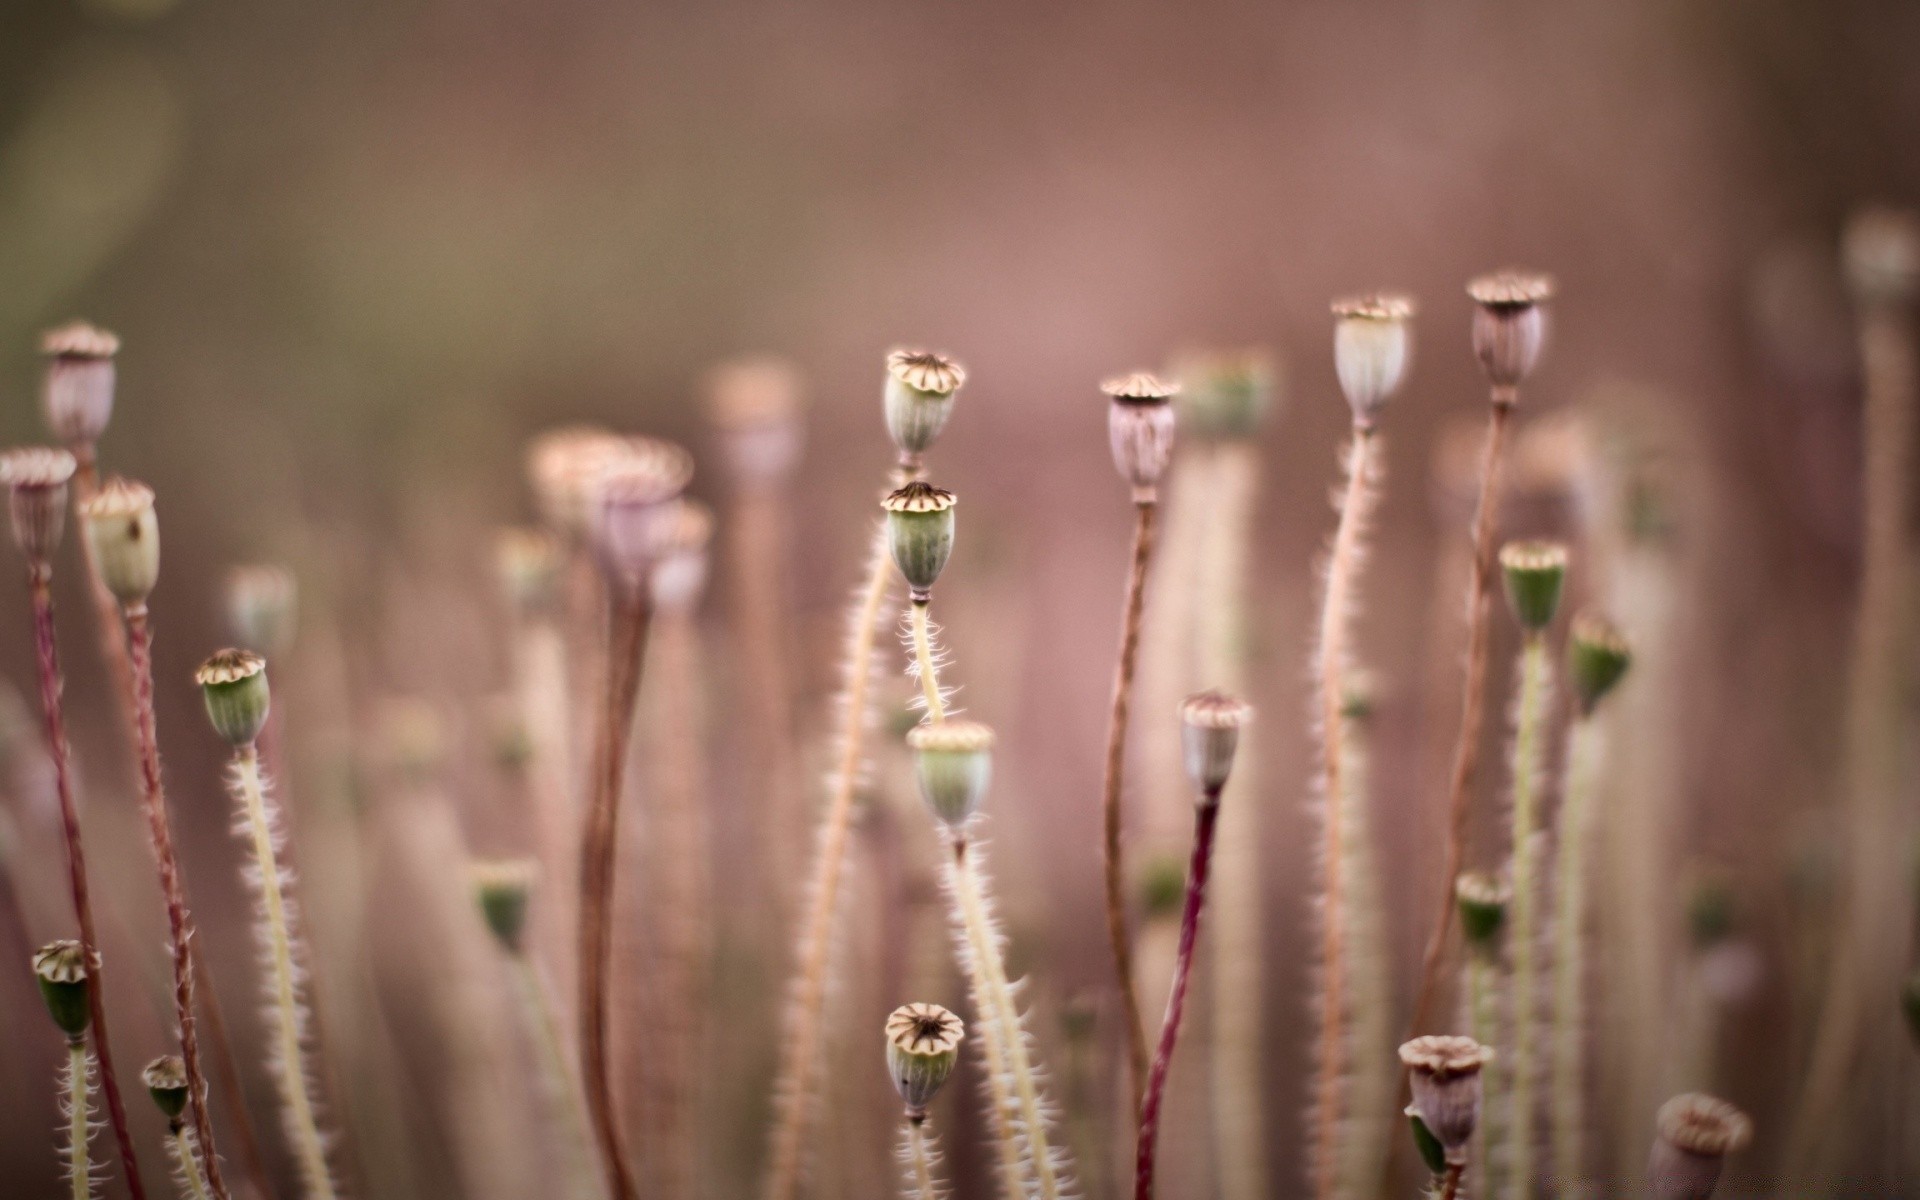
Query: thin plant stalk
x=1529, y=743
x=1569, y=1022
x=1112, y=780
x=299, y=1109
x=227, y=1075
x=920, y=1154
x=1466, y=748
x=1450, y=1182
x=1205, y=819
x=540, y=681
x=800, y=1045
x=924, y=665
x=48, y=664
x=1483, y=1018
x=562, y=1085
x=186, y=1162
x=139, y=635
x=1343, y=565
x=1372, y=1072
x=79, y=1108
x=631, y=616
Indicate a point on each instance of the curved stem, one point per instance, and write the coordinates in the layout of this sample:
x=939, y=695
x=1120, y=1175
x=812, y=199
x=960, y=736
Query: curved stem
x=153, y=800
x=1531, y=716
x=47, y=662
x=1114, y=876
x=79, y=1171
x=303, y=1124
x=188, y=1160
x=1466, y=748
x=1569, y=960
x=1204, y=821
x=923, y=659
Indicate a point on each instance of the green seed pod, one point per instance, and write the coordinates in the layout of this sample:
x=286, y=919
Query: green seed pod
x=1444, y=1074
x=166, y=1080
x=122, y=536
x=923, y=1044
x=1140, y=430
x=262, y=603
x=1597, y=658
x=1535, y=573
x=954, y=762
x=1210, y=725
x=1372, y=345
x=234, y=685
x=78, y=393
x=920, y=391
x=1482, y=899
x=1694, y=1134
x=502, y=888
x=920, y=534
x=36, y=479
x=1509, y=326
x=1223, y=397
x=64, y=977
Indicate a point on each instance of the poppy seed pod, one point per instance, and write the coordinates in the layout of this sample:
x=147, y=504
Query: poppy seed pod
x=564, y=467
x=680, y=573
x=1597, y=658
x=1880, y=250
x=502, y=887
x=36, y=478
x=1224, y=396
x=61, y=970
x=1509, y=326
x=262, y=607
x=1535, y=573
x=923, y=1046
x=166, y=1080
x=754, y=405
x=636, y=513
x=920, y=534
x=1444, y=1072
x=1372, y=346
x=77, y=394
x=234, y=685
x=1140, y=429
x=918, y=399
x=1482, y=900
x=122, y=535
x=1209, y=734
x=1693, y=1136
x=954, y=763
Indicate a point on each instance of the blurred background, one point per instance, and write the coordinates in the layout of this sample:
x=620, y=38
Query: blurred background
x=358, y=252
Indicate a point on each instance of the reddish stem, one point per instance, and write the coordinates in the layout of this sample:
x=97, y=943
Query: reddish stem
x=153, y=799
x=1205, y=818
x=1450, y=1182
x=41, y=578
x=626, y=647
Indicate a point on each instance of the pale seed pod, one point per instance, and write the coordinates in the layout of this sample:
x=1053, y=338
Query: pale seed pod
x=77, y=393
x=953, y=761
x=564, y=468
x=1444, y=1072
x=64, y=976
x=1482, y=899
x=920, y=534
x=262, y=608
x=234, y=686
x=1372, y=347
x=1693, y=1135
x=502, y=888
x=1210, y=724
x=918, y=399
x=121, y=531
x=635, y=509
x=166, y=1080
x=680, y=573
x=1509, y=326
x=923, y=1045
x=1140, y=430
x=1597, y=658
x=36, y=478
x=1880, y=250
x=1535, y=573
x=754, y=404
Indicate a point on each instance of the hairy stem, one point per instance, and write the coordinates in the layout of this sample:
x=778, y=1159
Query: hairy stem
x=79, y=1109
x=562, y=1086
x=1466, y=748
x=1112, y=779
x=47, y=662
x=1336, y=613
x=153, y=800
x=1483, y=1017
x=1372, y=1067
x=630, y=616
x=920, y=1156
x=296, y=1098
x=1528, y=751
x=1569, y=960
x=924, y=664
x=1205, y=819
x=186, y=1162
x=1450, y=1182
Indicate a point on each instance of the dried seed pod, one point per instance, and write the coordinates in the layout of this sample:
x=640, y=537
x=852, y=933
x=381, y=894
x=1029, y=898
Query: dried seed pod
x=122, y=535
x=36, y=478
x=954, y=763
x=680, y=573
x=918, y=399
x=1535, y=573
x=635, y=511
x=1880, y=250
x=263, y=608
x=1693, y=1135
x=1210, y=725
x=502, y=888
x=564, y=468
x=754, y=404
x=1597, y=658
x=920, y=534
x=77, y=394
x=1509, y=326
x=1140, y=429
x=923, y=1045
x=166, y=1080
x=1445, y=1075
x=1372, y=346
x=1482, y=899
x=64, y=975
x=234, y=685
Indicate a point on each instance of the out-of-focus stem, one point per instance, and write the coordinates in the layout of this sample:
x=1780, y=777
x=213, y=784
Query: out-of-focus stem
x=1450, y=1182
x=1110, y=789
x=1205, y=818
x=757, y=563
x=1528, y=747
x=1570, y=957
x=562, y=1084
x=153, y=800
x=1483, y=1015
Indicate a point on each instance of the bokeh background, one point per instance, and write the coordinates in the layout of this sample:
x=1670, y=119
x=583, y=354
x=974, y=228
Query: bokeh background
x=359, y=251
